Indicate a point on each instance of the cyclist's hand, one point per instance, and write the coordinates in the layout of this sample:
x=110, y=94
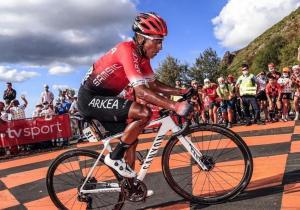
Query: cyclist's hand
x=183, y=108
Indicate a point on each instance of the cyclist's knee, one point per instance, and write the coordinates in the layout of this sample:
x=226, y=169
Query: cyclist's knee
x=140, y=112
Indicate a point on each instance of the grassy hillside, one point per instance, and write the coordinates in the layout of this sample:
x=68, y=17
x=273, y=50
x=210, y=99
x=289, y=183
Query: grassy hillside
x=279, y=44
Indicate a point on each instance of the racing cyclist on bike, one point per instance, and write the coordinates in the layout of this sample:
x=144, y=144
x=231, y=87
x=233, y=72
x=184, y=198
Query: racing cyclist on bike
x=128, y=63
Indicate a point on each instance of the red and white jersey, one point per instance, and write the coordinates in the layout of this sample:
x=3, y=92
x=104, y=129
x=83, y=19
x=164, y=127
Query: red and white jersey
x=122, y=65
x=286, y=84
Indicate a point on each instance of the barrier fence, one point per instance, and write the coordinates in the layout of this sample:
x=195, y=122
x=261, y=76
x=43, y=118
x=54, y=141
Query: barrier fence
x=34, y=130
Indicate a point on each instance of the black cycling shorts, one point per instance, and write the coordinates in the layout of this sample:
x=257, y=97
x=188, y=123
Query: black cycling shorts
x=111, y=111
x=287, y=96
x=262, y=96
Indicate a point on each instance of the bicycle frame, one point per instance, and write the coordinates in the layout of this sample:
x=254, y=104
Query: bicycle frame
x=166, y=124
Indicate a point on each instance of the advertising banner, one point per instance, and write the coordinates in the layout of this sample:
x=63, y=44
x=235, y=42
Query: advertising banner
x=28, y=131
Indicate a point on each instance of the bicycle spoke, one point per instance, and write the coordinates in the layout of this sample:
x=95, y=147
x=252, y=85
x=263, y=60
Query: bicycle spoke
x=218, y=184
x=181, y=160
x=217, y=146
x=67, y=175
x=227, y=173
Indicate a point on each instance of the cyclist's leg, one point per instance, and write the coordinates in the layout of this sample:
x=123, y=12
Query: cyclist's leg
x=141, y=115
x=130, y=155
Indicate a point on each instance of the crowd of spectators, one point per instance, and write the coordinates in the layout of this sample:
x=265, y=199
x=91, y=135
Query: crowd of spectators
x=267, y=97
x=12, y=109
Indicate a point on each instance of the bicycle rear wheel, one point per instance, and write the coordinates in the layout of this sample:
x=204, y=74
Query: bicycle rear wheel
x=66, y=175
x=228, y=157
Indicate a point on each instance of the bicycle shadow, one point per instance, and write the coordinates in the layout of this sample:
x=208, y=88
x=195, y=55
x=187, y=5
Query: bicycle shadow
x=266, y=187
x=259, y=188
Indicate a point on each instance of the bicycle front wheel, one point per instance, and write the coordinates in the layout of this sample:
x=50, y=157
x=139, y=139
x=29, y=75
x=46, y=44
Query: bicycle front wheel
x=226, y=155
x=67, y=174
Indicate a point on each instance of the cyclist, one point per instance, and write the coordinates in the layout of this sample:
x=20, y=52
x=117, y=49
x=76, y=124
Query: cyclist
x=261, y=93
x=128, y=62
x=296, y=81
x=286, y=88
x=210, y=94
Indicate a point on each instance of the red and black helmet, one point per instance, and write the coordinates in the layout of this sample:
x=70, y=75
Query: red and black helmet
x=150, y=24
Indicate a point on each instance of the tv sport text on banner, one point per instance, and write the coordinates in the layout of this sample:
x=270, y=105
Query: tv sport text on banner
x=34, y=130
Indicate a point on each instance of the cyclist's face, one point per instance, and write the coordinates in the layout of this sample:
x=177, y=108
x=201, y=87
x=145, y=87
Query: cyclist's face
x=152, y=47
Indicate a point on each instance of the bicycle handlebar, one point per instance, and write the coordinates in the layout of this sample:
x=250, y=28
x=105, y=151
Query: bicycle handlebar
x=186, y=97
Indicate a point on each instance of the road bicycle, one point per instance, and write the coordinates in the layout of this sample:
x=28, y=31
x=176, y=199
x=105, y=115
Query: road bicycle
x=204, y=163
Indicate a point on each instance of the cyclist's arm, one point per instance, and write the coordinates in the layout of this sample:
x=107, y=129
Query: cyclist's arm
x=158, y=86
x=150, y=96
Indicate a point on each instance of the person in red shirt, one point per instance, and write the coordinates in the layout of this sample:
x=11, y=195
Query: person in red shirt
x=128, y=63
x=273, y=91
x=273, y=72
x=209, y=92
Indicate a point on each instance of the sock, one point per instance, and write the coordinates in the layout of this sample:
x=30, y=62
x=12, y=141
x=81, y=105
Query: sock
x=119, y=151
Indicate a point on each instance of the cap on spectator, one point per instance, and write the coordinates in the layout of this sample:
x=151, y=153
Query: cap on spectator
x=286, y=70
x=2, y=103
x=245, y=66
x=296, y=67
x=9, y=83
x=206, y=80
x=46, y=86
x=75, y=96
x=271, y=65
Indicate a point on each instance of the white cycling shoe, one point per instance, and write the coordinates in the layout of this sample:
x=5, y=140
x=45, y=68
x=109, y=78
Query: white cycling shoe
x=149, y=193
x=120, y=166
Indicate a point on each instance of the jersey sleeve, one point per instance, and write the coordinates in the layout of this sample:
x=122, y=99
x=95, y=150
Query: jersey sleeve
x=138, y=72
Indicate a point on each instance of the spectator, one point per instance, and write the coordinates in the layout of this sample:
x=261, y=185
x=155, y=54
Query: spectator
x=3, y=113
x=176, y=98
x=247, y=85
x=197, y=101
x=210, y=94
x=273, y=91
x=236, y=102
x=9, y=94
x=225, y=93
x=46, y=95
x=38, y=110
x=47, y=110
x=273, y=72
x=74, y=106
x=18, y=111
x=296, y=82
x=286, y=92
x=62, y=106
x=261, y=94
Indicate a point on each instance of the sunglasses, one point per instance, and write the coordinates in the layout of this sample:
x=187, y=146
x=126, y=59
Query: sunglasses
x=155, y=39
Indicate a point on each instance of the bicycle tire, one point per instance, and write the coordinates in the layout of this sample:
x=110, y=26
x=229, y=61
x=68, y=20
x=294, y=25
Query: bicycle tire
x=55, y=173
x=172, y=150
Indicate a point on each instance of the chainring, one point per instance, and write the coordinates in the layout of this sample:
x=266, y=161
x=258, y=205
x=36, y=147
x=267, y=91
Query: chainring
x=134, y=191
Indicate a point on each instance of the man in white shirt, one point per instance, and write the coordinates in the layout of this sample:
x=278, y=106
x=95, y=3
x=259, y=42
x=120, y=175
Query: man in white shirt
x=18, y=111
x=47, y=96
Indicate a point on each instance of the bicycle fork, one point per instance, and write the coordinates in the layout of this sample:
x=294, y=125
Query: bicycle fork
x=196, y=154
